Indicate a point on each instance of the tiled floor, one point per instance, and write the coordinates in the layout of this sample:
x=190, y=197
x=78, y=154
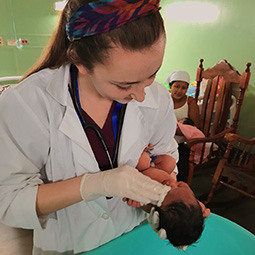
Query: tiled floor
x=226, y=202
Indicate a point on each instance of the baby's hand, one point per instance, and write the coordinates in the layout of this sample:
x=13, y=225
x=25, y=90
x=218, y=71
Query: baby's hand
x=148, y=147
x=131, y=202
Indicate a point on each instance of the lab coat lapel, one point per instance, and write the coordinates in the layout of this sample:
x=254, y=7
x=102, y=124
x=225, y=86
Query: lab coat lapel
x=72, y=128
x=83, y=155
x=131, y=130
x=70, y=125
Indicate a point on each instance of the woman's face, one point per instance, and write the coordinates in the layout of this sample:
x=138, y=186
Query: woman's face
x=125, y=74
x=179, y=89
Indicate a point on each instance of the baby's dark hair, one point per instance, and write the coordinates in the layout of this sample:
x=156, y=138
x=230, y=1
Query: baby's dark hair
x=188, y=121
x=183, y=224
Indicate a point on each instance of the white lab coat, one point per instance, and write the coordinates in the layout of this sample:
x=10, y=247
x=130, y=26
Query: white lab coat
x=41, y=140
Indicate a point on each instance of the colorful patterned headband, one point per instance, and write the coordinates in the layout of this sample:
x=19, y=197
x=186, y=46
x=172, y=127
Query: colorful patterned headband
x=105, y=15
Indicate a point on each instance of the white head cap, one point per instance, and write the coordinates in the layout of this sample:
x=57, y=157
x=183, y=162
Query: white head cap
x=178, y=75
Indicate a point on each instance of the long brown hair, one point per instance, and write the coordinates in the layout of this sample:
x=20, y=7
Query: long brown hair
x=88, y=51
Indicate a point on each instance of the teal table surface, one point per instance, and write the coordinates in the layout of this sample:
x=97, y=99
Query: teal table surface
x=220, y=237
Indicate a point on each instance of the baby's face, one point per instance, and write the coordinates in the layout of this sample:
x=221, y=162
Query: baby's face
x=180, y=192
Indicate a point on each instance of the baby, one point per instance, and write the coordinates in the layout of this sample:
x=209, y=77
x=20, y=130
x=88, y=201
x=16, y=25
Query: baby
x=186, y=121
x=180, y=218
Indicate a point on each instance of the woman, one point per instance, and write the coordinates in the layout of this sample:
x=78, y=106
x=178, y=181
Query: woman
x=185, y=108
x=98, y=71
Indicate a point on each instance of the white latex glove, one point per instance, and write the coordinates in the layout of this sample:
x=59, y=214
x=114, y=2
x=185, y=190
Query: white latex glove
x=124, y=181
x=153, y=220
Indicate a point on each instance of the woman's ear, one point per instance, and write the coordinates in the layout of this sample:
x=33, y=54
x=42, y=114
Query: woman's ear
x=82, y=69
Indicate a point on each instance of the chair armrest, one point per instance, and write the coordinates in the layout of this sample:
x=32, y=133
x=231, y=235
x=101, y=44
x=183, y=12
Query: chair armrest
x=230, y=137
x=214, y=138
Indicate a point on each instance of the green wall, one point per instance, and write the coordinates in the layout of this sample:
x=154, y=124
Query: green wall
x=231, y=37
x=33, y=20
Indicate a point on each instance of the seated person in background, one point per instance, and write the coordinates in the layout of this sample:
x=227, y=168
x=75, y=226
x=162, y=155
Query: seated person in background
x=184, y=107
x=180, y=218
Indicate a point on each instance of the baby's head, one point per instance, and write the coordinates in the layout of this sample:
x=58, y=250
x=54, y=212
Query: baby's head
x=181, y=216
x=187, y=121
x=183, y=224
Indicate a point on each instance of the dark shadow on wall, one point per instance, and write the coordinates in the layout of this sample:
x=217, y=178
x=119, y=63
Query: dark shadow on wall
x=246, y=126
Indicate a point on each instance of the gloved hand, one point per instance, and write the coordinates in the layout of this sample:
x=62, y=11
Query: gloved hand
x=153, y=220
x=124, y=181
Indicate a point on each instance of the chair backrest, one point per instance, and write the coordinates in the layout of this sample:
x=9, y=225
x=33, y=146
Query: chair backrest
x=237, y=166
x=3, y=88
x=216, y=102
x=240, y=152
x=8, y=81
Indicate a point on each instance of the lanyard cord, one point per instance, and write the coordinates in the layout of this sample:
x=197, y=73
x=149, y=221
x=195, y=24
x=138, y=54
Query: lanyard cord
x=117, y=127
x=115, y=119
x=118, y=133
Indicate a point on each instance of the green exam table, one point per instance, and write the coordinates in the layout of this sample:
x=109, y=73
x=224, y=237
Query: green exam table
x=220, y=237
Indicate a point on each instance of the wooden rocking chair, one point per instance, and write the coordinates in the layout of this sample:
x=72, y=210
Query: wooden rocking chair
x=215, y=111
x=237, y=166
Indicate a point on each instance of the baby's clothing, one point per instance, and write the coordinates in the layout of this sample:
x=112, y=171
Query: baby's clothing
x=192, y=132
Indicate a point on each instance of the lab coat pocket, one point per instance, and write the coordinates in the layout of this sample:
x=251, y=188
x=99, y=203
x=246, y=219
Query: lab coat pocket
x=87, y=230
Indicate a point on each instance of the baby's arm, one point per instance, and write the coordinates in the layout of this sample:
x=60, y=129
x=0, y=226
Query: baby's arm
x=165, y=162
x=144, y=162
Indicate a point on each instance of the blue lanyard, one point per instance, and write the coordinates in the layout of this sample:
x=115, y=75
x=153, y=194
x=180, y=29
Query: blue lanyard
x=117, y=108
